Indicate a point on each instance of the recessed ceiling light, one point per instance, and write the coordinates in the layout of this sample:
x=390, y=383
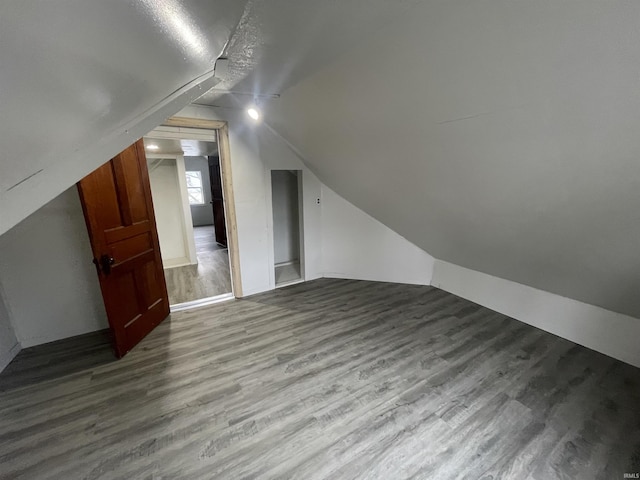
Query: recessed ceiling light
x=254, y=113
x=152, y=146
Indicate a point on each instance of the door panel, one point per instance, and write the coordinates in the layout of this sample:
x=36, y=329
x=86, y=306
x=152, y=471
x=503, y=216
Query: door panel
x=116, y=199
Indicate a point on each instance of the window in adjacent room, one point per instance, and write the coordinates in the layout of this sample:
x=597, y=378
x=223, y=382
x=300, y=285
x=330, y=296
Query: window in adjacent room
x=194, y=187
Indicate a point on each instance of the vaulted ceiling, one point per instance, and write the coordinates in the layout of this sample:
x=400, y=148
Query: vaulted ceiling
x=82, y=79
x=498, y=135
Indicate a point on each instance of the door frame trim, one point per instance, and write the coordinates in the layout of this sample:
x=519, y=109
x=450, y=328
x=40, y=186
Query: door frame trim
x=222, y=128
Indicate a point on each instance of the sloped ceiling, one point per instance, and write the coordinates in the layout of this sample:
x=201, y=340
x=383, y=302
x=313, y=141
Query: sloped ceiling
x=82, y=79
x=501, y=136
x=79, y=76
x=498, y=135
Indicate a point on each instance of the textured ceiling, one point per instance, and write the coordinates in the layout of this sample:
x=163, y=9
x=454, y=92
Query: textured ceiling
x=278, y=43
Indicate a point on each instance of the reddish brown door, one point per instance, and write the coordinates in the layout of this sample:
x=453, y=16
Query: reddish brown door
x=116, y=199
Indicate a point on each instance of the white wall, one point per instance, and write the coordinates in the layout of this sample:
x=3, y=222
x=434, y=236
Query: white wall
x=278, y=155
x=356, y=245
x=255, y=151
x=611, y=333
x=201, y=214
x=9, y=345
x=50, y=284
x=167, y=204
x=286, y=224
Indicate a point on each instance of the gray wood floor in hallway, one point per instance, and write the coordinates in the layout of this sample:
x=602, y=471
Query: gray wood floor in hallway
x=331, y=379
x=209, y=278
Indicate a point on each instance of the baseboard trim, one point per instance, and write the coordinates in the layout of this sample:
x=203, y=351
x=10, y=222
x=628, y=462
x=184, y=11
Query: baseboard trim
x=366, y=278
x=6, y=359
x=203, y=302
x=176, y=262
x=290, y=282
x=604, y=331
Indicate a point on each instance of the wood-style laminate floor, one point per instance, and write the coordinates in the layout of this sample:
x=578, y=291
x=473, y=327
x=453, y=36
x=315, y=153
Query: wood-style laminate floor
x=205, y=239
x=209, y=278
x=330, y=379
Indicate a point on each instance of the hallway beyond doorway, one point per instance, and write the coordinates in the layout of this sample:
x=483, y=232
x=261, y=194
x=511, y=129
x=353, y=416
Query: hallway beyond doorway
x=209, y=278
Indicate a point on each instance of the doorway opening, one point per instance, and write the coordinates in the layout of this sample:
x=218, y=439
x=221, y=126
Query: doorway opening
x=286, y=197
x=188, y=196
x=117, y=201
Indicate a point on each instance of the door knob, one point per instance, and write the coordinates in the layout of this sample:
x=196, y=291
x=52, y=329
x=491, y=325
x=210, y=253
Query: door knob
x=104, y=263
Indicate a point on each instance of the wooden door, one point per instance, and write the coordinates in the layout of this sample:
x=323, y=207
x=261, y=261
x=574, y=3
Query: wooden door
x=116, y=199
x=217, y=201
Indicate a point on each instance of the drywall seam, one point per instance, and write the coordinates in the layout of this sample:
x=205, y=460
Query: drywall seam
x=604, y=331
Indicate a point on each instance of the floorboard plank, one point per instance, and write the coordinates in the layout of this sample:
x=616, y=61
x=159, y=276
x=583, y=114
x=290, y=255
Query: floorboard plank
x=326, y=379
